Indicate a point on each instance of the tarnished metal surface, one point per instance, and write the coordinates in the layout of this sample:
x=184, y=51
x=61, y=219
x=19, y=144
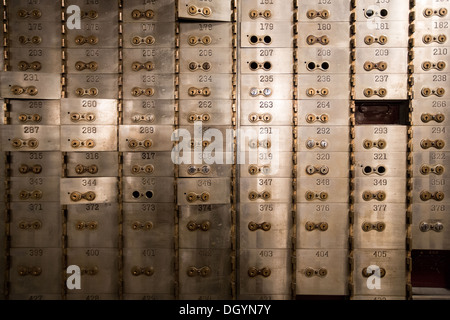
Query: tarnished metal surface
x=241, y=149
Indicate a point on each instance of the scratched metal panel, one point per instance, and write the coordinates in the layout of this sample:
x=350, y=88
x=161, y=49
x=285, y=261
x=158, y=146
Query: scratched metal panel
x=159, y=11
x=212, y=10
x=35, y=270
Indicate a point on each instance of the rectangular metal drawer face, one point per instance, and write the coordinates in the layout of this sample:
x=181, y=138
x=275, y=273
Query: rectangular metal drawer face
x=148, y=189
x=430, y=190
x=266, y=165
x=88, y=138
x=429, y=4
x=35, y=164
x=148, y=271
x=48, y=11
x=102, y=10
x=199, y=87
x=431, y=139
x=149, y=35
x=205, y=226
x=103, y=35
x=153, y=86
x=433, y=106
x=431, y=60
x=148, y=225
x=321, y=61
x=145, y=138
x=433, y=165
x=265, y=190
x=34, y=189
x=35, y=225
x=143, y=61
x=215, y=10
x=200, y=144
x=35, y=270
x=93, y=225
x=31, y=138
x=379, y=226
x=393, y=11
x=205, y=271
x=372, y=165
x=40, y=60
x=147, y=164
x=429, y=225
x=88, y=111
x=89, y=190
x=34, y=112
x=148, y=112
x=217, y=61
x=322, y=271
x=270, y=112
x=391, y=57
x=312, y=34
x=381, y=86
x=92, y=164
x=322, y=190
x=431, y=113
x=194, y=191
x=321, y=164
x=392, y=138
x=380, y=190
x=397, y=34
x=427, y=34
x=99, y=269
x=262, y=87
x=392, y=269
x=322, y=112
x=274, y=11
x=323, y=139
x=336, y=11
x=264, y=270
x=160, y=11
x=36, y=35
x=323, y=86
x=94, y=61
x=263, y=61
x=204, y=170
x=281, y=35
x=431, y=86
x=265, y=225
x=322, y=226
x=266, y=138
x=214, y=35
x=209, y=112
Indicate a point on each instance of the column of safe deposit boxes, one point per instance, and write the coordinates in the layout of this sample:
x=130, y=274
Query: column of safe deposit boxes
x=380, y=54
x=323, y=85
x=430, y=145
x=89, y=130
x=266, y=144
x=31, y=87
x=148, y=110
x=207, y=103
